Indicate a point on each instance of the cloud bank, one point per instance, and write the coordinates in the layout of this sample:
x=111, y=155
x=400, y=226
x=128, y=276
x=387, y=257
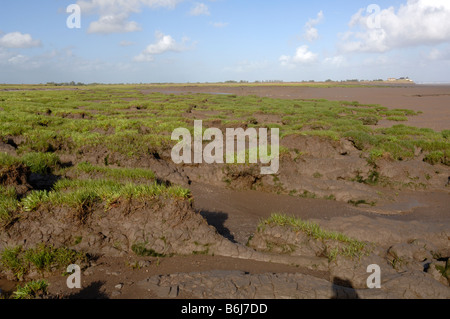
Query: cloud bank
x=418, y=22
x=115, y=14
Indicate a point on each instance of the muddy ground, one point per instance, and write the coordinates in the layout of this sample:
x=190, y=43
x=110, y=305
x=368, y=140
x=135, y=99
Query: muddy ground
x=432, y=100
x=215, y=240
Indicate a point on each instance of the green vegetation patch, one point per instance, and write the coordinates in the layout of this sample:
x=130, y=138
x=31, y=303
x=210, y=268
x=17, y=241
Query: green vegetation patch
x=141, y=249
x=7, y=160
x=39, y=163
x=31, y=290
x=43, y=258
x=349, y=247
x=116, y=173
x=121, y=118
x=8, y=204
x=82, y=194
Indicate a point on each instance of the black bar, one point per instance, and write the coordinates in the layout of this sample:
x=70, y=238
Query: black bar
x=222, y=308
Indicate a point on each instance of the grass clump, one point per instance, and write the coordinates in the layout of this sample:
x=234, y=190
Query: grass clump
x=348, y=247
x=31, y=290
x=12, y=259
x=397, y=118
x=437, y=157
x=307, y=194
x=400, y=142
x=34, y=200
x=42, y=140
x=7, y=160
x=43, y=258
x=8, y=204
x=83, y=194
x=140, y=249
x=369, y=120
x=41, y=163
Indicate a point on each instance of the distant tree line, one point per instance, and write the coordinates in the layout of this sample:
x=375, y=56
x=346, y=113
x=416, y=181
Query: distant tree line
x=68, y=83
x=263, y=81
x=73, y=83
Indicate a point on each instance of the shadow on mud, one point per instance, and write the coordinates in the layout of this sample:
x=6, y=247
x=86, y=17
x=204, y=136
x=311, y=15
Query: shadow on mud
x=217, y=220
x=93, y=291
x=343, y=289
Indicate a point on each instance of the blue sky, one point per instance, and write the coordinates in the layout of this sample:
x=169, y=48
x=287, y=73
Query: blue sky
x=218, y=40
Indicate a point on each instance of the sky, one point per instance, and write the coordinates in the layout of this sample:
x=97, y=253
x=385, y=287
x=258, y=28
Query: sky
x=180, y=41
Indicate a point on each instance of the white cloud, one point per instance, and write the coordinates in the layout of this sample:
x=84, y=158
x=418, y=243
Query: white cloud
x=114, y=14
x=120, y=6
x=418, y=22
x=199, y=9
x=311, y=33
x=18, y=40
x=302, y=56
x=113, y=24
x=164, y=43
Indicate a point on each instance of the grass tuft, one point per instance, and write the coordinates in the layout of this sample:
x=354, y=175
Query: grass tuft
x=8, y=204
x=350, y=248
x=140, y=249
x=43, y=258
x=82, y=194
x=41, y=163
x=31, y=290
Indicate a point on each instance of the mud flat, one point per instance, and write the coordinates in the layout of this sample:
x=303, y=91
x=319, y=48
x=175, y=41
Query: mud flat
x=141, y=226
x=213, y=246
x=432, y=100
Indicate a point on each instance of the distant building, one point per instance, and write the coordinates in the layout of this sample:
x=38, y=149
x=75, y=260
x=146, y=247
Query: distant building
x=402, y=79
